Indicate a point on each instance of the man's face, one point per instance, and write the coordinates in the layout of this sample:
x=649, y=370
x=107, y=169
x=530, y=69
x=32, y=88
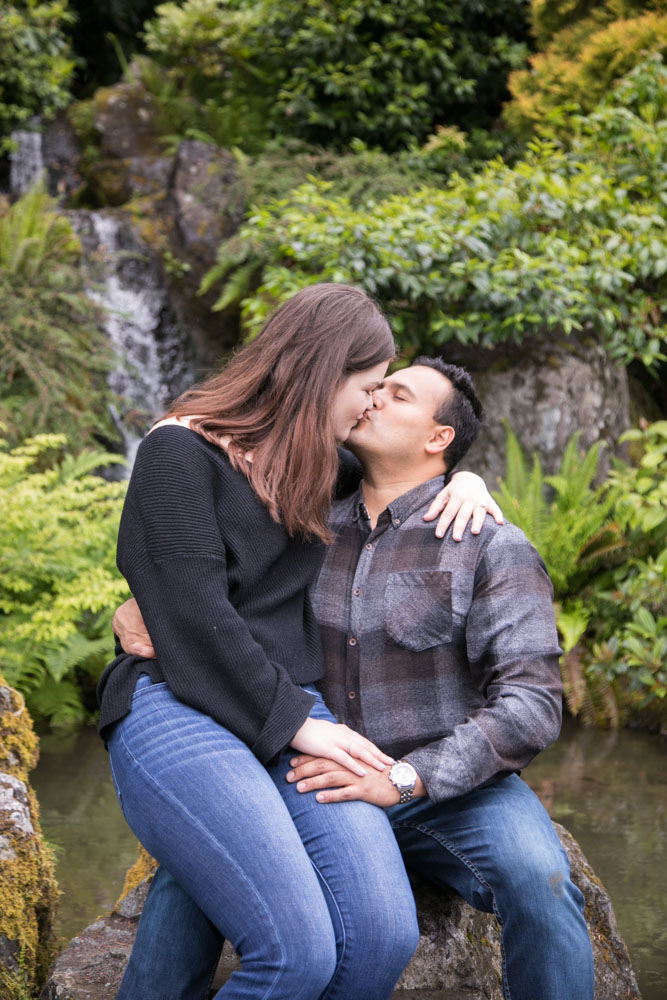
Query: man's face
x=402, y=419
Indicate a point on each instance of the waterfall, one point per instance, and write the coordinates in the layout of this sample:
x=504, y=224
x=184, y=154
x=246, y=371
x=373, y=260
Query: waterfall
x=153, y=365
x=26, y=162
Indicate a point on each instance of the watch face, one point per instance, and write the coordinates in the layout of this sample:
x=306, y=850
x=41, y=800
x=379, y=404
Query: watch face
x=403, y=773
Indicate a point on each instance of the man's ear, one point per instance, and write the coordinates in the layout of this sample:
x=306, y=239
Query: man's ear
x=440, y=439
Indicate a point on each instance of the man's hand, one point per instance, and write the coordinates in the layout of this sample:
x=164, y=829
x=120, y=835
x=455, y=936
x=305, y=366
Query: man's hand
x=334, y=783
x=129, y=626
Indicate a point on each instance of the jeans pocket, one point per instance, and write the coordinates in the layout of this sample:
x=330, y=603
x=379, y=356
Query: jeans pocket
x=145, y=685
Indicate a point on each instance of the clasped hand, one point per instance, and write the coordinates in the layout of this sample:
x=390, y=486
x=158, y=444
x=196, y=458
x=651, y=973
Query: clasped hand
x=334, y=783
x=340, y=746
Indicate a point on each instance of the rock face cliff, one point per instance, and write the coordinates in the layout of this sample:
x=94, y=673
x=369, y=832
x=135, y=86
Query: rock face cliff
x=28, y=891
x=458, y=954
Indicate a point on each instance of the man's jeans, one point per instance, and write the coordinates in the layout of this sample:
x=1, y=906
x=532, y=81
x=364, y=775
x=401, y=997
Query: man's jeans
x=497, y=847
x=315, y=899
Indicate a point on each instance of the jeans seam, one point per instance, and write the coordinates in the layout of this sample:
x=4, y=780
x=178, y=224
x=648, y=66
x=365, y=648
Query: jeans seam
x=427, y=831
x=339, y=964
x=163, y=794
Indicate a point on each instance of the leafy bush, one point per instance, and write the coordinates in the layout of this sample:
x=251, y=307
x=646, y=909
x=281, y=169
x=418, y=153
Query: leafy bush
x=629, y=606
x=383, y=71
x=564, y=240
x=606, y=550
x=58, y=579
x=53, y=357
x=35, y=65
x=583, y=60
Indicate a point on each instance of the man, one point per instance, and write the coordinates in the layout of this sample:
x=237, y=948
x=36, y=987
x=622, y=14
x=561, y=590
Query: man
x=446, y=656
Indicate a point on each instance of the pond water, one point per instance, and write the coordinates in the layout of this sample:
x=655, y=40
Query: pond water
x=607, y=788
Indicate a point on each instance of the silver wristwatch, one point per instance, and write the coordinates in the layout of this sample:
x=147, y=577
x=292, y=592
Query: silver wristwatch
x=404, y=776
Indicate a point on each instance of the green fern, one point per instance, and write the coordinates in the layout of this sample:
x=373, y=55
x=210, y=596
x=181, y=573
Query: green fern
x=58, y=578
x=574, y=529
x=54, y=359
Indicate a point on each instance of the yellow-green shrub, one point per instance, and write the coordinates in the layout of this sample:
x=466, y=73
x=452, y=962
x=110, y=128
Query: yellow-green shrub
x=580, y=66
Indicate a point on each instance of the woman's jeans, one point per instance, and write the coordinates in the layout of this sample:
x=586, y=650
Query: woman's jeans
x=315, y=900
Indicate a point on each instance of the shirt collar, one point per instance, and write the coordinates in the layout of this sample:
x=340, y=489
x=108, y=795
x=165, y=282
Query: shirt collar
x=402, y=507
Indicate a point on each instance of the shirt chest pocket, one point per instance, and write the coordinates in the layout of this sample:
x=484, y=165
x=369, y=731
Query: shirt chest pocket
x=418, y=608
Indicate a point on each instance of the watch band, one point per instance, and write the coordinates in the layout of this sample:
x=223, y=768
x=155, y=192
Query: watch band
x=405, y=791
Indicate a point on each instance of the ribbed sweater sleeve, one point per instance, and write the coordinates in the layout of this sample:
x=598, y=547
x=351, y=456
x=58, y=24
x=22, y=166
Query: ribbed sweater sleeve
x=173, y=554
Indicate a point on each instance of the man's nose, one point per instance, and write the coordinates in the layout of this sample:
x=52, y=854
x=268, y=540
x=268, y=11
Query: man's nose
x=376, y=399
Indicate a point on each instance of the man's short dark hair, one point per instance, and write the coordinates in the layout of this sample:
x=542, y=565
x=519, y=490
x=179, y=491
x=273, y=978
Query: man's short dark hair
x=461, y=409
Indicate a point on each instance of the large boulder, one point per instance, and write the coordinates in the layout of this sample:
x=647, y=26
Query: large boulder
x=205, y=200
x=458, y=954
x=546, y=392
x=28, y=891
x=126, y=117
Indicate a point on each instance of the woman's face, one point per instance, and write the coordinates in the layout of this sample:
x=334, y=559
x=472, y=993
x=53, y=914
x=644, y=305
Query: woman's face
x=354, y=398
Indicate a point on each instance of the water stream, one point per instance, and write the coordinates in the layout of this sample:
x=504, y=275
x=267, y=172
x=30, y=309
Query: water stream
x=153, y=363
x=26, y=162
x=608, y=789
x=154, y=359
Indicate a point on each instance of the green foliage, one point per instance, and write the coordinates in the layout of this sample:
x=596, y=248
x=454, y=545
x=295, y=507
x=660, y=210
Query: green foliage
x=589, y=46
x=644, y=488
x=58, y=580
x=35, y=66
x=193, y=106
x=630, y=607
x=565, y=240
x=573, y=529
x=382, y=71
x=53, y=358
x=606, y=550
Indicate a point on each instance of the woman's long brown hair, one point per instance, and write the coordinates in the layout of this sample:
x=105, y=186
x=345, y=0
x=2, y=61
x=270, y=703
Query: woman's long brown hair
x=275, y=399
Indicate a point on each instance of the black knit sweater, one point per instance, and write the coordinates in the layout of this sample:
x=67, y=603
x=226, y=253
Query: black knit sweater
x=223, y=592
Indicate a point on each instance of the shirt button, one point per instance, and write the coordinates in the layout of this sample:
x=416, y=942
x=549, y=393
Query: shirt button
x=353, y=641
x=368, y=545
x=356, y=591
x=397, y=520
x=352, y=695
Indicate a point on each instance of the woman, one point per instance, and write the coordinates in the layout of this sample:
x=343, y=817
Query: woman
x=221, y=533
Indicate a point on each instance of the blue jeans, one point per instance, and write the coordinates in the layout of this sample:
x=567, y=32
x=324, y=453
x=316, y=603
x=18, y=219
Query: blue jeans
x=316, y=901
x=497, y=847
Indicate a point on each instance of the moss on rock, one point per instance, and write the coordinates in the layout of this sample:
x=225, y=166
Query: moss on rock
x=28, y=889
x=143, y=867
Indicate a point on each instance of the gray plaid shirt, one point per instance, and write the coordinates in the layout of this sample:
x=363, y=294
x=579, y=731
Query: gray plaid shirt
x=444, y=653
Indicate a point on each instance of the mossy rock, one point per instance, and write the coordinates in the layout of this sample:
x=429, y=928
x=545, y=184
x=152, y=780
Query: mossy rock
x=28, y=890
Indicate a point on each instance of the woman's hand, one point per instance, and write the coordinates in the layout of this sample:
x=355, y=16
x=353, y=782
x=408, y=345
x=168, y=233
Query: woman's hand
x=129, y=626
x=319, y=738
x=466, y=495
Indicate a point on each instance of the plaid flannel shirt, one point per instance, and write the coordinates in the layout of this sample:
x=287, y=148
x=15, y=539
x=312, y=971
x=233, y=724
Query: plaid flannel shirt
x=443, y=653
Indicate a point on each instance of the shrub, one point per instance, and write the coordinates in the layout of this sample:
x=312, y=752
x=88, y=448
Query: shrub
x=605, y=549
x=35, y=64
x=629, y=606
x=53, y=358
x=58, y=579
x=383, y=71
x=583, y=61
x=564, y=240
